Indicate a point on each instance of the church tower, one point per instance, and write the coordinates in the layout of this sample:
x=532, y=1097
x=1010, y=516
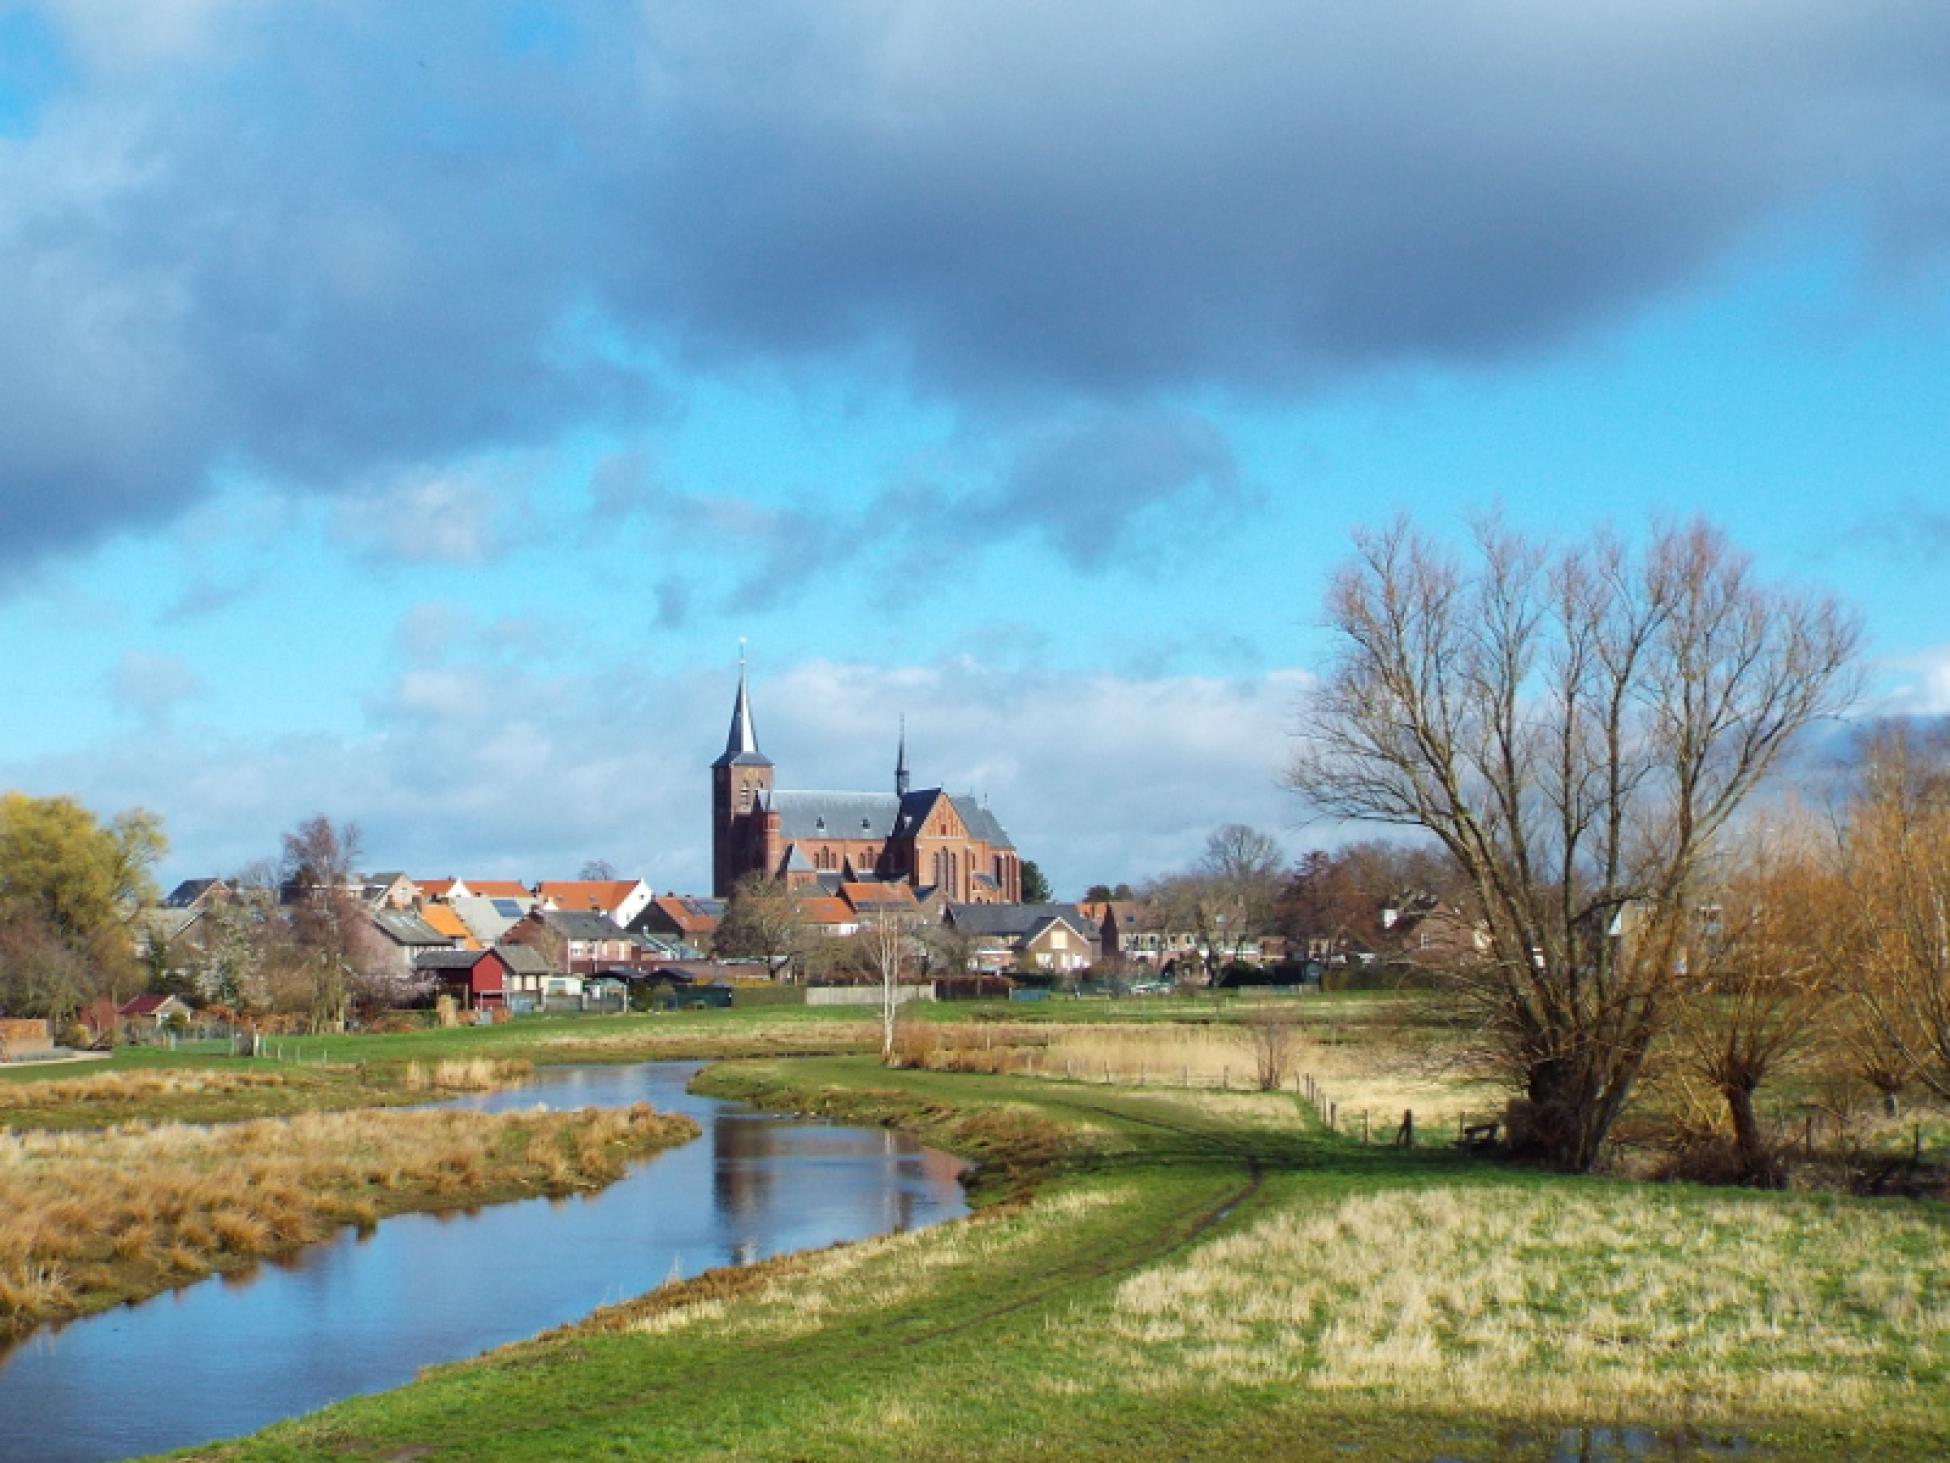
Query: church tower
x=740, y=780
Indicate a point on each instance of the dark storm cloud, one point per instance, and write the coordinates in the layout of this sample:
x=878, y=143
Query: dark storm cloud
x=332, y=243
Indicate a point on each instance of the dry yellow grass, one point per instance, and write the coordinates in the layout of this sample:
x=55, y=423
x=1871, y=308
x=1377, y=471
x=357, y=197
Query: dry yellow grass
x=466, y=1074
x=134, y=1087
x=1379, y=1077
x=1607, y=1305
x=90, y=1218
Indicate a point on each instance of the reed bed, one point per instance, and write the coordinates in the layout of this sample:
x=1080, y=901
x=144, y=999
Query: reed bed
x=466, y=1074
x=89, y=1219
x=135, y=1087
x=1609, y=1304
x=1378, y=1077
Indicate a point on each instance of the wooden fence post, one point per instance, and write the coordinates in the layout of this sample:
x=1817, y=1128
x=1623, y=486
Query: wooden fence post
x=1364, y=1125
x=1405, y=1135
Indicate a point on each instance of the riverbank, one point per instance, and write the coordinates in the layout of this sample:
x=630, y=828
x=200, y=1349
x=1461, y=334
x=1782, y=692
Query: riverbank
x=90, y=1220
x=1211, y=1274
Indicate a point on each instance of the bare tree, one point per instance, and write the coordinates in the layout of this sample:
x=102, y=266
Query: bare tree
x=948, y=948
x=1896, y=866
x=328, y=923
x=1244, y=870
x=598, y=869
x=1274, y=1033
x=762, y=920
x=883, y=940
x=1575, y=727
x=1758, y=985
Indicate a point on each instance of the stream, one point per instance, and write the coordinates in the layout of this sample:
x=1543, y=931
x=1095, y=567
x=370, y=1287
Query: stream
x=364, y=1312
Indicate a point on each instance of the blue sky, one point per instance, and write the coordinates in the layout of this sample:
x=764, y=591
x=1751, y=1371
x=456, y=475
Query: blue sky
x=408, y=409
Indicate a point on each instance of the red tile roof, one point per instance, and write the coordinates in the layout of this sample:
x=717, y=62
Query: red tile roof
x=686, y=916
x=827, y=909
x=500, y=888
x=601, y=895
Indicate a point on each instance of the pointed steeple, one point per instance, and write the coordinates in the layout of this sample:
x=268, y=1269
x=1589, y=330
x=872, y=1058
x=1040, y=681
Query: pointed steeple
x=741, y=745
x=900, y=763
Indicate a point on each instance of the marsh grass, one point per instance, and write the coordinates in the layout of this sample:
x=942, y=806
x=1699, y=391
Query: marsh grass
x=1374, y=1073
x=1596, y=1302
x=210, y=1090
x=137, y=1087
x=466, y=1074
x=90, y=1219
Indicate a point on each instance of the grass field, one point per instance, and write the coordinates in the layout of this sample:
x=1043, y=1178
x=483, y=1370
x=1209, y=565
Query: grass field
x=1166, y=1274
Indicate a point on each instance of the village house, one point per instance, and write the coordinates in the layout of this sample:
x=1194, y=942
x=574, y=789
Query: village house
x=499, y=889
x=588, y=941
x=527, y=978
x=475, y=979
x=488, y=918
x=828, y=914
x=620, y=900
x=445, y=920
x=402, y=939
x=196, y=893
x=680, y=917
x=1053, y=937
x=148, y=1015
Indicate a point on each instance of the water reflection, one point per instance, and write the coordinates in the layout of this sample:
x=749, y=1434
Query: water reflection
x=366, y=1310
x=1610, y=1445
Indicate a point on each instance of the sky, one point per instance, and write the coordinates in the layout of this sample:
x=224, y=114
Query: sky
x=407, y=410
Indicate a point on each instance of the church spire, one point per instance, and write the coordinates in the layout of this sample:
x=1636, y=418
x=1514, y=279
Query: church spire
x=741, y=744
x=900, y=762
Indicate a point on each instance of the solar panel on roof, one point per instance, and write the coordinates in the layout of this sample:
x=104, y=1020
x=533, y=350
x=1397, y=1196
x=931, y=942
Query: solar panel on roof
x=508, y=908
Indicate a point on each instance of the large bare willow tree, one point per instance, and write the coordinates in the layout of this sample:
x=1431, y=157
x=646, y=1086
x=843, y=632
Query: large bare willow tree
x=1575, y=726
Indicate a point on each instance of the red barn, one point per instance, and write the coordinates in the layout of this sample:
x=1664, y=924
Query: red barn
x=476, y=979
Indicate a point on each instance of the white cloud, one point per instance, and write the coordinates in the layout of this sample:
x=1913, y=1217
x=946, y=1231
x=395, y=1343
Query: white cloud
x=428, y=516
x=1923, y=685
x=152, y=684
x=472, y=767
x=118, y=35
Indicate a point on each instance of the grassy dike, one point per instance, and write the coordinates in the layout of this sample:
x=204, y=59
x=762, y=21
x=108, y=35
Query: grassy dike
x=1157, y=1274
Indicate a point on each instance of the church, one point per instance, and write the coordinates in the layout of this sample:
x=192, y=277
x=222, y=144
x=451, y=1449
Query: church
x=818, y=840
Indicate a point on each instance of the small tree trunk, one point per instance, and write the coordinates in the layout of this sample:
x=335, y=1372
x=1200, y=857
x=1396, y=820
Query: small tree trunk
x=1758, y=1160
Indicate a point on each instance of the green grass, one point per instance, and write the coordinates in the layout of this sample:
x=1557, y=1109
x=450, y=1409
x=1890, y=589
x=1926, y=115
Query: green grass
x=1208, y=1274
x=331, y=1073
